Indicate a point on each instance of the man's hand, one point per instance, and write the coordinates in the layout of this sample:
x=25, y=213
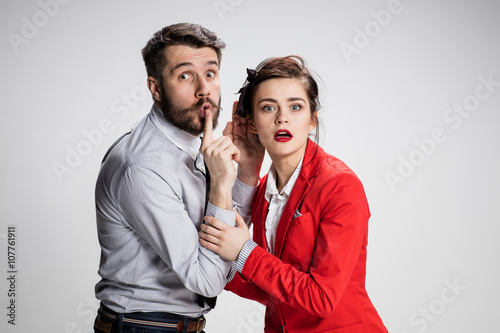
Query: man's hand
x=219, y=156
x=223, y=239
x=251, y=150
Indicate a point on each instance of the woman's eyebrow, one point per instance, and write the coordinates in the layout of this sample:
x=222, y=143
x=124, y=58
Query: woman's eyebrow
x=272, y=100
x=293, y=99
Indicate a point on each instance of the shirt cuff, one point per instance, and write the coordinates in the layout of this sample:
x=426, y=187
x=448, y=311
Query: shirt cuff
x=232, y=273
x=226, y=216
x=243, y=193
x=244, y=254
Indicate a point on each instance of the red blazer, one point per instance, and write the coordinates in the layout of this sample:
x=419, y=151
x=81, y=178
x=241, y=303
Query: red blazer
x=316, y=280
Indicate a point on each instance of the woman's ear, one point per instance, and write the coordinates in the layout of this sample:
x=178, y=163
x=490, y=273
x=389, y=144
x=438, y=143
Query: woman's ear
x=251, y=125
x=154, y=88
x=314, y=121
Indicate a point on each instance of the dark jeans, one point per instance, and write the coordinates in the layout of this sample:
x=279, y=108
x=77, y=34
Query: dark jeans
x=104, y=323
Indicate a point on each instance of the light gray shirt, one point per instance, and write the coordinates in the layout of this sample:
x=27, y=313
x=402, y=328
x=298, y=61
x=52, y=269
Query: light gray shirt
x=150, y=202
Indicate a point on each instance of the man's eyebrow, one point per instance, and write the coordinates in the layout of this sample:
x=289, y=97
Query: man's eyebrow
x=212, y=62
x=187, y=64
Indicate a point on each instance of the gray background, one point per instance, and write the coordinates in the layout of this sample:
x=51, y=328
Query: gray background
x=73, y=80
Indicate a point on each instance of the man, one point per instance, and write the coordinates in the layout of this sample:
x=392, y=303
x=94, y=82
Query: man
x=152, y=192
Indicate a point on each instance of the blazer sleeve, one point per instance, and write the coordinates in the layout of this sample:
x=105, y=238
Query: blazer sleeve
x=342, y=229
x=246, y=289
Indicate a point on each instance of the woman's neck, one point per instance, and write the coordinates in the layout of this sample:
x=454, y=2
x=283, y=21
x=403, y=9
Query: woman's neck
x=285, y=167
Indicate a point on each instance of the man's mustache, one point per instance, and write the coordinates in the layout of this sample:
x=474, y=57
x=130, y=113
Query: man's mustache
x=202, y=101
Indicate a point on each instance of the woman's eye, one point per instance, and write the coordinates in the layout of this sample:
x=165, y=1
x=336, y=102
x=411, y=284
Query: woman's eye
x=296, y=107
x=268, y=108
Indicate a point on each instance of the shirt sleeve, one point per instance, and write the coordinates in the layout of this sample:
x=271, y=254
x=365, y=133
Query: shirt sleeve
x=226, y=216
x=242, y=199
x=152, y=206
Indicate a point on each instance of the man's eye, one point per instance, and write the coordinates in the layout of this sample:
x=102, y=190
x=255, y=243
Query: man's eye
x=210, y=75
x=184, y=76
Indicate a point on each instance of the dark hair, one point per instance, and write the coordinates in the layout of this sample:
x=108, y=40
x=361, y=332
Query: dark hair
x=188, y=34
x=290, y=67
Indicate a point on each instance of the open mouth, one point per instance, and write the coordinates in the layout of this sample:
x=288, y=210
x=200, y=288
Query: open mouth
x=283, y=135
x=204, y=108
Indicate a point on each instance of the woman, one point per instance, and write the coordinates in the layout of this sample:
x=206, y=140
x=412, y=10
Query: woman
x=307, y=259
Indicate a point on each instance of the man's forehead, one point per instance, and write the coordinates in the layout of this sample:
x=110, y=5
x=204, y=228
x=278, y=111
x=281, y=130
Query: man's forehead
x=182, y=55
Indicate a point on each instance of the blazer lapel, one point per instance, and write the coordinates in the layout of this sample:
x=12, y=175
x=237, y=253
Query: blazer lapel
x=299, y=191
x=259, y=214
x=310, y=169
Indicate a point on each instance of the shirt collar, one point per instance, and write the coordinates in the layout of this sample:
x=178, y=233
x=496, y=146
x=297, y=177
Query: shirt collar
x=272, y=190
x=182, y=139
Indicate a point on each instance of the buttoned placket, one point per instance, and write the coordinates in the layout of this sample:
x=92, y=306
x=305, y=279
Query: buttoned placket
x=200, y=164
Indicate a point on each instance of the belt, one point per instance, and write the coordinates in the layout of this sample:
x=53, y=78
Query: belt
x=193, y=326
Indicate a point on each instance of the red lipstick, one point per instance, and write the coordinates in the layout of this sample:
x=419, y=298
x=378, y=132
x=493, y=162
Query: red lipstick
x=283, y=135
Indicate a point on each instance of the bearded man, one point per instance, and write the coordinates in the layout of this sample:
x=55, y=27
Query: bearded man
x=157, y=183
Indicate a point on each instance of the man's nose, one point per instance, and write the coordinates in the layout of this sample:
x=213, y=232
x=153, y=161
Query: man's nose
x=202, y=90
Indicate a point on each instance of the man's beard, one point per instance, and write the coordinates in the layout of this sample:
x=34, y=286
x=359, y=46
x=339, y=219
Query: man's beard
x=184, y=119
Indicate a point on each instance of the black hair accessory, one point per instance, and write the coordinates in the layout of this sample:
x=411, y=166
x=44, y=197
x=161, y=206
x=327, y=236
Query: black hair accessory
x=240, y=110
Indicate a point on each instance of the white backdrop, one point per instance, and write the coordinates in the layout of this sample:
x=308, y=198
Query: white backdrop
x=410, y=95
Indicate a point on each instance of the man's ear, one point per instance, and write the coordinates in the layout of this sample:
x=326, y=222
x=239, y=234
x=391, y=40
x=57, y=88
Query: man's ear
x=155, y=88
x=251, y=125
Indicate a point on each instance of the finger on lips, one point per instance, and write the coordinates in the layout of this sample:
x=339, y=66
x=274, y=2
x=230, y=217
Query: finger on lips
x=208, y=135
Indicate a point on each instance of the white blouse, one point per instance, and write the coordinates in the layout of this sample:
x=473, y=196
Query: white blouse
x=277, y=202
